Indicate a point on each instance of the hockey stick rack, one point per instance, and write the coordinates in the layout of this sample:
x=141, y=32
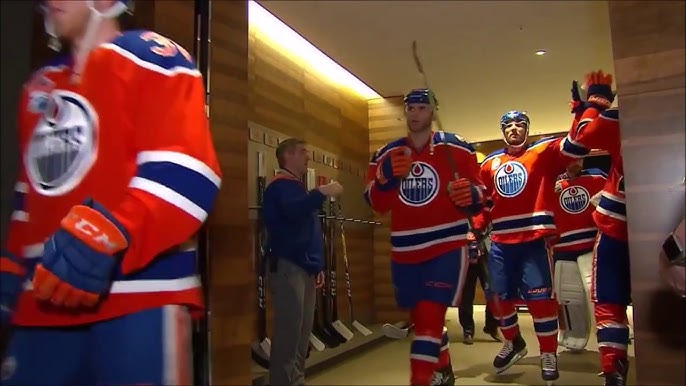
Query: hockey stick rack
x=335, y=218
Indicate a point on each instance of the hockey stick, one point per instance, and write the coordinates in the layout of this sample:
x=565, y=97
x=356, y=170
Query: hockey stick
x=336, y=323
x=451, y=161
x=321, y=327
x=261, y=349
x=394, y=332
x=358, y=326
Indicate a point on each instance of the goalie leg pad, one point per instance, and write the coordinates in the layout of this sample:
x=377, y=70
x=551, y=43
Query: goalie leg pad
x=572, y=294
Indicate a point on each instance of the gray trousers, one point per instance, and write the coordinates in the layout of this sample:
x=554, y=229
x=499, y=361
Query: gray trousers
x=293, y=296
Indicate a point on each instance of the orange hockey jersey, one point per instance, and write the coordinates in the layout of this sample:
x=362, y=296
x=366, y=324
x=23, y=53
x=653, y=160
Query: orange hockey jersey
x=424, y=221
x=132, y=135
x=522, y=191
x=596, y=130
x=574, y=211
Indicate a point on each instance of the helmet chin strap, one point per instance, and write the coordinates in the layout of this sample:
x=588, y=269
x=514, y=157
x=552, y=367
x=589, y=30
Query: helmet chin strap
x=526, y=135
x=85, y=46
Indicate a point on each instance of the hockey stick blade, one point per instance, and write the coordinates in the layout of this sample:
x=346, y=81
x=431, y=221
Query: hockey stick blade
x=259, y=355
x=361, y=328
x=316, y=343
x=342, y=330
x=394, y=332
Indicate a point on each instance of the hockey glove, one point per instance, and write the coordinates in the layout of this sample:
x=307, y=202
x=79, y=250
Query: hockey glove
x=12, y=274
x=394, y=166
x=466, y=196
x=79, y=259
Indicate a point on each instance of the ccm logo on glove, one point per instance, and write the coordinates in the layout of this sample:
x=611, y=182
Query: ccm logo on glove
x=95, y=230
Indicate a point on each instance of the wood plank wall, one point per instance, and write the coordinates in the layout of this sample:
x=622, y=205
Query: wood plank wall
x=649, y=57
x=289, y=98
x=386, y=123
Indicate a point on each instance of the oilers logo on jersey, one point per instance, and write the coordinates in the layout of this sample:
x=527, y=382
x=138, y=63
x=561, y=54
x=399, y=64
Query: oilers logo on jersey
x=510, y=179
x=420, y=186
x=575, y=199
x=63, y=144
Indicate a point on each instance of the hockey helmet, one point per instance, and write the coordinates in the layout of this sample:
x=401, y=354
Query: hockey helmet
x=421, y=95
x=517, y=117
x=118, y=8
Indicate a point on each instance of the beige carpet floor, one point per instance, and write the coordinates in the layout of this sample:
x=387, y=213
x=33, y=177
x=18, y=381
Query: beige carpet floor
x=387, y=364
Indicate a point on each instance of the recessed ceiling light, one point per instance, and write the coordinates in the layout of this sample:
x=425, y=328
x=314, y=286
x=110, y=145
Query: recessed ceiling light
x=540, y=52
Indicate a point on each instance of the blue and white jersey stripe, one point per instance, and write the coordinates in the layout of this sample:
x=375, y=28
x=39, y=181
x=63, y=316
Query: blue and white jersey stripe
x=420, y=238
x=525, y=222
x=178, y=179
x=576, y=237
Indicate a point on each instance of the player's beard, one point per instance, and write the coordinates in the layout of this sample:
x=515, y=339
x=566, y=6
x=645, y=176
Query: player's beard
x=418, y=127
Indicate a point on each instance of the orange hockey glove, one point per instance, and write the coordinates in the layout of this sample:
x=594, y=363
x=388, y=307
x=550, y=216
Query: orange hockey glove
x=79, y=259
x=466, y=196
x=393, y=167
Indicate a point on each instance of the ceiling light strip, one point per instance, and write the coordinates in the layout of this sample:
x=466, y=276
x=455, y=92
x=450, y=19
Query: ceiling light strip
x=283, y=37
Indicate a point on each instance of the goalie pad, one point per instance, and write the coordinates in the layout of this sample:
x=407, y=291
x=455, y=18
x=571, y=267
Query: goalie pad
x=572, y=285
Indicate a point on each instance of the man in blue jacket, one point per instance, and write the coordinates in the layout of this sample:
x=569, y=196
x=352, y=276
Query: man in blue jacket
x=295, y=246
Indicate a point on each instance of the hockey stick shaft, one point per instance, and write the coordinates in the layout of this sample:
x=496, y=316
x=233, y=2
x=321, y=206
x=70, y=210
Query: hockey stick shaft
x=348, y=283
x=451, y=161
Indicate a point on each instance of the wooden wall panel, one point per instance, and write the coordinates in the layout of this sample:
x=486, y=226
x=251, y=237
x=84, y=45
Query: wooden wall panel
x=287, y=97
x=386, y=123
x=233, y=319
x=648, y=43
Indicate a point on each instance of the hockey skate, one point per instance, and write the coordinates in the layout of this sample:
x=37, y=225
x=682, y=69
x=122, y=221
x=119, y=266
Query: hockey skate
x=549, y=371
x=444, y=376
x=617, y=378
x=510, y=354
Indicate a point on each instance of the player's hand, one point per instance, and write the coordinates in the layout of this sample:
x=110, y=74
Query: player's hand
x=562, y=183
x=319, y=280
x=599, y=88
x=12, y=274
x=332, y=189
x=576, y=105
x=466, y=196
x=79, y=259
x=394, y=166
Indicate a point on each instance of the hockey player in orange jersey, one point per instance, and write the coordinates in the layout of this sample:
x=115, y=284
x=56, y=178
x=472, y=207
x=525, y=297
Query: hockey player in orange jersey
x=596, y=126
x=573, y=251
x=413, y=179
x=519, y=181
x=118, y=172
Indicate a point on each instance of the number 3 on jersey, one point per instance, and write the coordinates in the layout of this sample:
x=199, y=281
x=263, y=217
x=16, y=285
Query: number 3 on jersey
x=165, y=47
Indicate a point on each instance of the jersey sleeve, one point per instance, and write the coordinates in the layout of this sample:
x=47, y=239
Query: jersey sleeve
x=381, y=201
x=177, y=175
x=596, y=130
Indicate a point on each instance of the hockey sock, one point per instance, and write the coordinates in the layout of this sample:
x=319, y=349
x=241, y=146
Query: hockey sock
x=507, y=316
x=444, y=356
x=544, y=313
x=429, y=320
x=612, y=331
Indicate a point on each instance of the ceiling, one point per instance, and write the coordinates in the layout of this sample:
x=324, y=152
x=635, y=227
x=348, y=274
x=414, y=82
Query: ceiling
x=479, y=56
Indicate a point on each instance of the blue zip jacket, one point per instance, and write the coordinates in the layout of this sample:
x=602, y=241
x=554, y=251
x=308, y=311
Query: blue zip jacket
x=289, y=213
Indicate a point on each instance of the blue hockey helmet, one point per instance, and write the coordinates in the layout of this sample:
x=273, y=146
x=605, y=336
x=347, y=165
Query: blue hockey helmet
x=514, y=116
x=421, y=95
